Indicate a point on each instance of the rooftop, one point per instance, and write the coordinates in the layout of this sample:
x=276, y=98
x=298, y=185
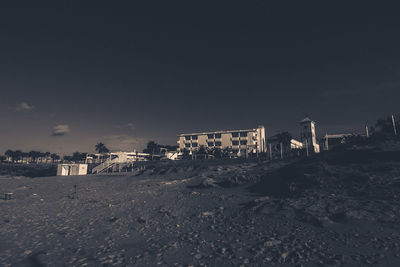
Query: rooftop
x=306, y=119
x=220, y=132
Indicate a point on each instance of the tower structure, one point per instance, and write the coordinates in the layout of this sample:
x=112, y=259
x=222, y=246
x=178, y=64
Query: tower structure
x=308, y=135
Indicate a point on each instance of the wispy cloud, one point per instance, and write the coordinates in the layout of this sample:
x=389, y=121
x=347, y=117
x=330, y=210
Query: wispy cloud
x=23, y=106
x=131, y=126
x=124, y=142
x=128, y=126
x=60, y=130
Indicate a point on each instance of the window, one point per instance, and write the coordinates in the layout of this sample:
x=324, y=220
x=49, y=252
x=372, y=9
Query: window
x=187, y=137
x=235, y=143
x=243, y=134
x=210, y=136
x=217, y=136
x=194, y=144
x=235, y=151
x=194, y=137
x=217, y=143
x=187, y=145
x=210, y=143
x=235, y=134
x=243, y=142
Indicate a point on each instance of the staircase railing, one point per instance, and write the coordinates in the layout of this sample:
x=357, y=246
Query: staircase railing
x=105, y=165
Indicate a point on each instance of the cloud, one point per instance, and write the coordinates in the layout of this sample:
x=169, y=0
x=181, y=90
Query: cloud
x=60, y=130
x=124, y=142
x=129, y=126
x=23, y=106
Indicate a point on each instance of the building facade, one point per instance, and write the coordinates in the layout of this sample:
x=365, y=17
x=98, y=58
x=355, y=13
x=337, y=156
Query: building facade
x=242, y=142
x=68, y=169
x=308, y=135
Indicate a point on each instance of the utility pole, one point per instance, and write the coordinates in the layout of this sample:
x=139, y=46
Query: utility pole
x=270, y=151
x=257, y=151
x=394, y=125
x=307, y=147
x=326, y=142
x=281, y=151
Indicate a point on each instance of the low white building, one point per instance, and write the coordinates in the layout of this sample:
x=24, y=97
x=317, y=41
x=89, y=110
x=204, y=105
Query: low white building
x=68, y=169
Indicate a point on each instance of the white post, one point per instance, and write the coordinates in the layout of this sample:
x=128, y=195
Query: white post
x=326, y=141
x=109, y=163
x=394, y=125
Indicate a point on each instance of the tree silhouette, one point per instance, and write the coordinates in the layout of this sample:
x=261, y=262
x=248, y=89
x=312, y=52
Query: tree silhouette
x=17, y=155
x=284, y=138
x=54, y=157
x=152, y=148
x=101, y=148
x=216, y=152
x=9, y=153
x=78, y=157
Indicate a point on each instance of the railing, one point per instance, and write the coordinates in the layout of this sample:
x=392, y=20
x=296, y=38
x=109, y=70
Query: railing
x=105, y=165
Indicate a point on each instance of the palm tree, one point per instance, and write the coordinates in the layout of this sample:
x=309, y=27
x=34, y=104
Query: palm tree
x=47, y=155
x=17, y=155
x=10, y=155
x=25, y=156
x=152, y=147
x=101, y=148
x=216, y=152
x=284, y=138
x=78, y=157
x=185, y=153
x=226, y=152
x=34, y=155
x=54, y=157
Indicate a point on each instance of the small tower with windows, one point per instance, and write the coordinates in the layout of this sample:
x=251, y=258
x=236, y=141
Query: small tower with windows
x=308, y=135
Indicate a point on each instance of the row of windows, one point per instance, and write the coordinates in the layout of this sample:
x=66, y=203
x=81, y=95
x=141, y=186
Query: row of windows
x=191, y=137
x=241, y=134
x=236, y=143
x=216, y=136
x=217, y=143
x=193, y=145
x=212, y=136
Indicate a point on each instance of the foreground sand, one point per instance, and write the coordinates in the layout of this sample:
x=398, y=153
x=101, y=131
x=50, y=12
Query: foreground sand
x=165, y=218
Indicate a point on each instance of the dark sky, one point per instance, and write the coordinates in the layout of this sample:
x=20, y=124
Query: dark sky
x=123, y=72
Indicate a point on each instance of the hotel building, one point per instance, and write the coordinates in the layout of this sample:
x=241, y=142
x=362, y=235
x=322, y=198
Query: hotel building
x=242, y=142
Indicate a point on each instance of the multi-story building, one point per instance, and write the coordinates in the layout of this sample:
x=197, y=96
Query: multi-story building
x=242, y=142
